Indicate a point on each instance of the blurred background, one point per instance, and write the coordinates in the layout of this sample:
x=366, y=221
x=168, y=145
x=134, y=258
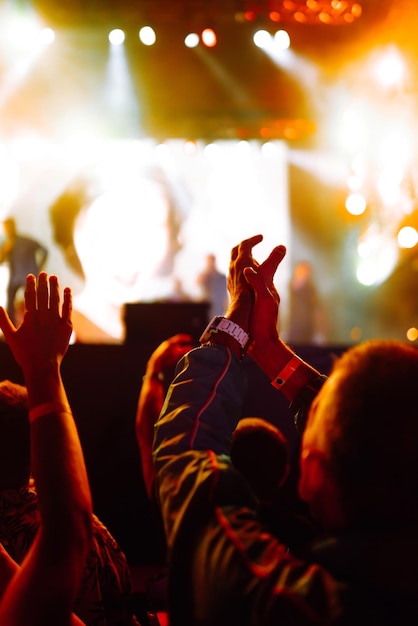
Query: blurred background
x=138, y=137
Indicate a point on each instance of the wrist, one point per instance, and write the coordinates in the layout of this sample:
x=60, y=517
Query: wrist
x=225, y=331
x=286, y=371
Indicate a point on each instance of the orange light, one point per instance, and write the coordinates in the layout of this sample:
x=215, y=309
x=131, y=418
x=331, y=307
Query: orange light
x=356, y=10
x=209, y=37
x=250, y=16
x=299, y=17
x=275, y=16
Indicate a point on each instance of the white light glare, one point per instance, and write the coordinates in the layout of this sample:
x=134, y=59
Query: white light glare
x=390, y=69
x=191, y=40
x=407, y=237
x=353, y=131
x=269, y=150
x=263, y=39
x=377, y=257
x=116, y=37
x=282, y=40
x=355, y=204
x=47, y=36
x=389, y=185
x=147, y=35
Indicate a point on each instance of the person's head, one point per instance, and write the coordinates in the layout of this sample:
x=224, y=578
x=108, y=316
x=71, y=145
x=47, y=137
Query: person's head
x=211, y=261
x=359, y=456
x=14, y=436
x=302, y=272
x=118, y=235
x=260, y=452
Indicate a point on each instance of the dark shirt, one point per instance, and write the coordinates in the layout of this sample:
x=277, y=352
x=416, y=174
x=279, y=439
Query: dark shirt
x=225, y=567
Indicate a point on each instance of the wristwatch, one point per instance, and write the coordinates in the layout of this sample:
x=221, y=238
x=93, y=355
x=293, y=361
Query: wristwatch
x=219, y=323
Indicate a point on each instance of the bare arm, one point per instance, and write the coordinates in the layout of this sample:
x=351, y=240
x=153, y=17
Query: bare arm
x=151, y=399
x=45, y=587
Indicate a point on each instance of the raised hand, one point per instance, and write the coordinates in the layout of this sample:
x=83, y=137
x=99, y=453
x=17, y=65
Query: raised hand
x=241, y=290
x=43, y=336
x=265, y=311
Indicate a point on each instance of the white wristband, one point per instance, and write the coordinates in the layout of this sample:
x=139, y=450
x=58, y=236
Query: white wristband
x=288, y=371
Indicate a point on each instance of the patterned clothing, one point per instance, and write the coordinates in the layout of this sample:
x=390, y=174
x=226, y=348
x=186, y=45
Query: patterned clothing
x=104, y=597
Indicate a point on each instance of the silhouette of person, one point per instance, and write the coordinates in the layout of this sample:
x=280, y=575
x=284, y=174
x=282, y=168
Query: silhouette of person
x=304, y=306
x=24, y=256
x=213, y=285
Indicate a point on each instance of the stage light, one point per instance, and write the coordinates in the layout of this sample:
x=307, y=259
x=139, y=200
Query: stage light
x=190, y=147
x=407, y=237
x=390, y=69
x=147, y=36
x=262, y=39
x=47, y=36
x=355, y=204
x=412, y=334
x=209, y=37
x=191, y=40
x=250, y=16
x=269, y=150
x=116, y=37
x=282, y=40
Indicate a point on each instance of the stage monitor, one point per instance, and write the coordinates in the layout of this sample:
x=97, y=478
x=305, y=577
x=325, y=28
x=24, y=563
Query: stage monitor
x=150, y=323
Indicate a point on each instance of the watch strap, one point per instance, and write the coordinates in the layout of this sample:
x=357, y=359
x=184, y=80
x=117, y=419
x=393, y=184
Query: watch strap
x=223, y=324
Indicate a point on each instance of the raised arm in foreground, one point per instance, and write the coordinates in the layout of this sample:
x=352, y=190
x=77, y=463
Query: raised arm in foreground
x=44, y=588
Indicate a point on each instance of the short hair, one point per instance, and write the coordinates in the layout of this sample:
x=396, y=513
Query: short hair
x=260, y=452
x=372, y=434
x=14, y=436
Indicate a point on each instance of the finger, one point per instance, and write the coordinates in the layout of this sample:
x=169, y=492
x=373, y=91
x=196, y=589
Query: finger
x=268, y=268
x=248, y=244
x=67, y=305
x=245, y=246
x=42, y=292
x=256, y=281
x=6, y=324
x=30, y=293
x=54, y=295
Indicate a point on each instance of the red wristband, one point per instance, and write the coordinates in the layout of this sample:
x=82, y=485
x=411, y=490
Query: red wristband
x=288, y=371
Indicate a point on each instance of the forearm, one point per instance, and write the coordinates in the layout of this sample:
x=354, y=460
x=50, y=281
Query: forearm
x=58, y=467
x=8, y=567
x=203, y=405
x=150, y=403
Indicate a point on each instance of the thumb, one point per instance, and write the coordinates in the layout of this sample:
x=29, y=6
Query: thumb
x=250, y=275
x=6, y=324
